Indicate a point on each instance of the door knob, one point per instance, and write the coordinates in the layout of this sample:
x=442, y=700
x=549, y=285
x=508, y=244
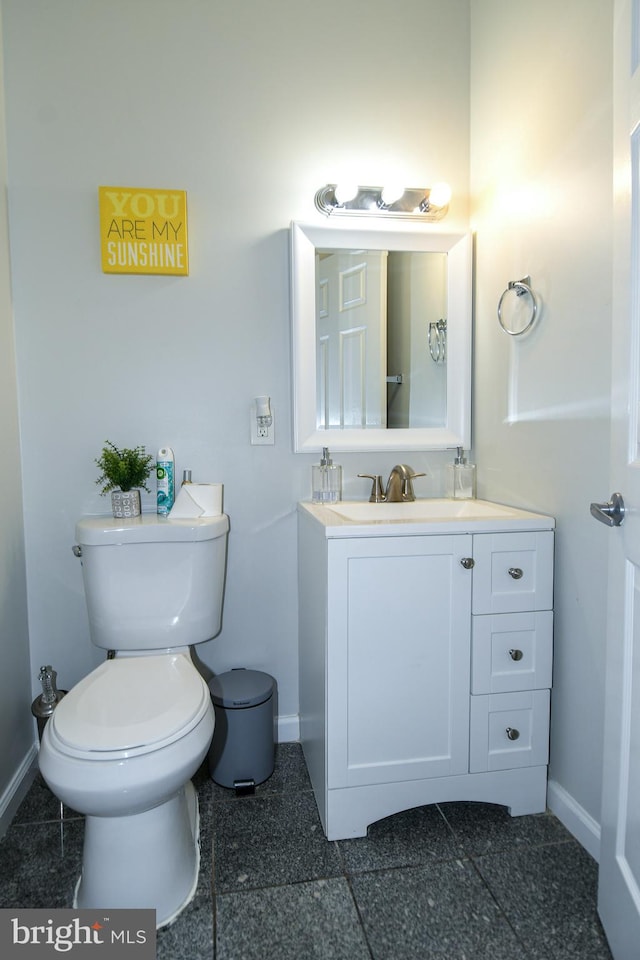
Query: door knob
x=611, y=513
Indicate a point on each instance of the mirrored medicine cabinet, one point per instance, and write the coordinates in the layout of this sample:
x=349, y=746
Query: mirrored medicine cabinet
x=381, y=321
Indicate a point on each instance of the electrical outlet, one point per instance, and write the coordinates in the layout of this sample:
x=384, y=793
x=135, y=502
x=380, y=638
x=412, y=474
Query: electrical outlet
x=261, y=435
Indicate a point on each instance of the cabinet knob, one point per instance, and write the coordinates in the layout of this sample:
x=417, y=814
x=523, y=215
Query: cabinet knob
x=515, y=572
x=516, y=654
x=468, y=563
x=512, y=733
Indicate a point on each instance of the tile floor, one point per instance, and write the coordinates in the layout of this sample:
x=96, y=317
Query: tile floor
x=456, y=881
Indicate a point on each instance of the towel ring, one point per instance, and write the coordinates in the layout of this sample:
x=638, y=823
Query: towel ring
x=438, y=341
x=521, y=287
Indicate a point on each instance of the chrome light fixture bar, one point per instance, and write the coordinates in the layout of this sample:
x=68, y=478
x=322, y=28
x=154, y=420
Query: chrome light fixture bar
x=414, y=203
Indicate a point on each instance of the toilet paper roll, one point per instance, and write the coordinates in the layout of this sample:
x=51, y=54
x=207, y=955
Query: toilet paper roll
x=197, y=500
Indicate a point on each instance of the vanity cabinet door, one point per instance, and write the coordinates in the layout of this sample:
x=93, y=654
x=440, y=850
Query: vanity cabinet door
x=398, y=655
x=512, y=572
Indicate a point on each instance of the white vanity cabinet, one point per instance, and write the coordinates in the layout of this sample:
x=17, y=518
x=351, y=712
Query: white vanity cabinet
x=425, y=664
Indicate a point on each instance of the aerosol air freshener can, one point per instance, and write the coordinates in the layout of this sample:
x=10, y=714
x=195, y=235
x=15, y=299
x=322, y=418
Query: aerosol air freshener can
x=165, y=472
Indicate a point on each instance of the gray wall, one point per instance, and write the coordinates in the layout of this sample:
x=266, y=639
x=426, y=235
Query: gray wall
x=250, y=107
x=541, y=162
x=16, y=723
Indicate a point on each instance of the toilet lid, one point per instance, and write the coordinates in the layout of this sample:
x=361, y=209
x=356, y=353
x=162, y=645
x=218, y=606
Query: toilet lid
x=132, y=702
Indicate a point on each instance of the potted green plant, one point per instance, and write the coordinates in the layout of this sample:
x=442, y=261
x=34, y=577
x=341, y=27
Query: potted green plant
x=124, y=472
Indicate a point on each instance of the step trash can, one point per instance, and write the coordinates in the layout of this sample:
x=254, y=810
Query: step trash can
x=242, y=752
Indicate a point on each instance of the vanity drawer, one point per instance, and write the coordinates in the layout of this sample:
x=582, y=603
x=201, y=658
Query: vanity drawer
x=512, y=572
x=511, y=651
x=509, y=730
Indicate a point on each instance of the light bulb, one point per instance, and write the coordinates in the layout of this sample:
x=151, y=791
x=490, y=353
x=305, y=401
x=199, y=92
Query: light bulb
x=439, y=195
x=345, y=192
x=391, y=193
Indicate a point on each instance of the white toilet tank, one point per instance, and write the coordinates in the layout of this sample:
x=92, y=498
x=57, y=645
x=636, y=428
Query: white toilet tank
x=151, y=583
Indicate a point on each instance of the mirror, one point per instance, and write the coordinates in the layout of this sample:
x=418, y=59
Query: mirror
x=381, y=338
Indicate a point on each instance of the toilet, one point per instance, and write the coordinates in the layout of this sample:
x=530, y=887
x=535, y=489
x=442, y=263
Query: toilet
x=122, y=745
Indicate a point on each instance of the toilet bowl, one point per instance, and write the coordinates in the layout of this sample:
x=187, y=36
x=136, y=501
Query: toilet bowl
x=115, y=755
x=122, y=745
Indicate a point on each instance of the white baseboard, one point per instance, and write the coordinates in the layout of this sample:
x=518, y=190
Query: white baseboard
x=289, y=728
x=575, y=818
x=16, y=789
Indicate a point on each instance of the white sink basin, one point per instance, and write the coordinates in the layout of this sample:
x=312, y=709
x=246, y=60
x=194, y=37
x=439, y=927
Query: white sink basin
x=357, y=518
x=422, y=510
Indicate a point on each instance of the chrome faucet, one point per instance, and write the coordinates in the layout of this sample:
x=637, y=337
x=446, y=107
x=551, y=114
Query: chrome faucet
x=400, y=484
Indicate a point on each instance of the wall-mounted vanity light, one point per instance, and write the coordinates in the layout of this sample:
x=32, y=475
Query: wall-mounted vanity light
x=413, y=203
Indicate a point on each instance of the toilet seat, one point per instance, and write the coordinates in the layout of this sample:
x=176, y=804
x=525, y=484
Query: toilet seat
x=130, y=705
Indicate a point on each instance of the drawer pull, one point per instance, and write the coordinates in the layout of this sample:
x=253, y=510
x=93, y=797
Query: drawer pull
x=516, y=654
x=468, y=563
x=512, y=733
x=515, y=572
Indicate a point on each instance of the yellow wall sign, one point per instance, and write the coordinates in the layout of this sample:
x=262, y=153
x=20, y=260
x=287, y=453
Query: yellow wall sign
x=143, y=230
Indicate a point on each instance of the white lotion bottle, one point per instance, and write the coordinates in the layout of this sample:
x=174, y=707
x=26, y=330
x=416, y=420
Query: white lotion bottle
x=461, y=478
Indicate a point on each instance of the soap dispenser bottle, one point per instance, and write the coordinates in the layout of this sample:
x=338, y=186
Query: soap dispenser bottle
x=326, y=480
x=461, y=478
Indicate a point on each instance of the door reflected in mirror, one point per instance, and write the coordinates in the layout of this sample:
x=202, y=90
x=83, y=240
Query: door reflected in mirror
x=381, y=338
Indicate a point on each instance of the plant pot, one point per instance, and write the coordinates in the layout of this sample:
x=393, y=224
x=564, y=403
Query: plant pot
x=125, y=503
